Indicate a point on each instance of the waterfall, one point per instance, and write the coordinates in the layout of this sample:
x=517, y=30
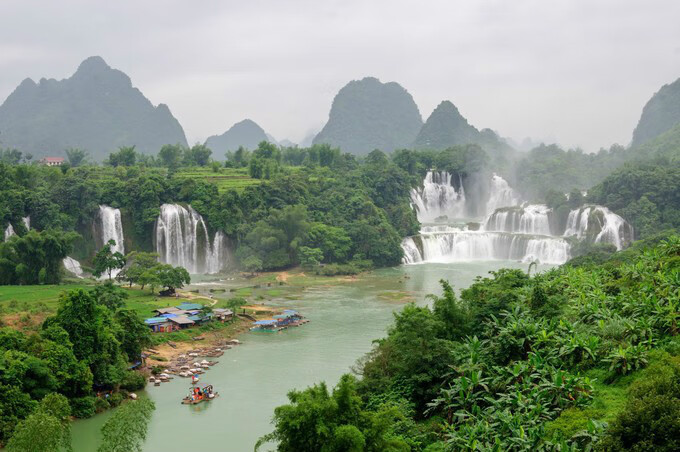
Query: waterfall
x=438, y=197
x=9, y=232
x=218, y=254
x=27, y=222
x=500, y=194
x=111, y=228
x=479, y=245
x=182, y=239
x=577, y=223
x=528, y=219
x=600, y=224
x=73, y=266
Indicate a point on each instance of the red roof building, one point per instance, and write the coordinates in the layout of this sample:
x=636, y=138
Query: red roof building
x=52, y=161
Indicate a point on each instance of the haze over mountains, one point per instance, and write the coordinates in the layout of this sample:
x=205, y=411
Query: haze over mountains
x=97, y=109
x=660, y=114
x=245, y=133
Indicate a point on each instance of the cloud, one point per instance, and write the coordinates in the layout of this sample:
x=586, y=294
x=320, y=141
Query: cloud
x=577, y=70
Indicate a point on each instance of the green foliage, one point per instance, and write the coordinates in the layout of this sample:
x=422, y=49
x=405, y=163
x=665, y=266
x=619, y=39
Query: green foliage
x=83, y=407
x=171, y=277
x=546, y=369
x=332, y=422
x=110, y=295
x=649, y=420
x=34, y=258
x=94, y=335
x=126, y=156
x=76, y=157
x=106, y=260
x=126, y=430
x=643, y=193
x=310, y=257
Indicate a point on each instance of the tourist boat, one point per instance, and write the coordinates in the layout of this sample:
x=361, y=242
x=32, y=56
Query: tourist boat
x=194, y=379
x=198, y=395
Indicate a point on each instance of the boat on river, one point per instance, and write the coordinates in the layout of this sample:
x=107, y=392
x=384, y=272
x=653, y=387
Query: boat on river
x=267, y=326
x=199, y=395
x=280, y=322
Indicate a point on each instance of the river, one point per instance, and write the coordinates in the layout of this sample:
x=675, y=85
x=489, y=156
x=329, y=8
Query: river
x=254, y=377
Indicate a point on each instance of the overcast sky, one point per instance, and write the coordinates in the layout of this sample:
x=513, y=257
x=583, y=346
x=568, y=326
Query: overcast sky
x=577, y=72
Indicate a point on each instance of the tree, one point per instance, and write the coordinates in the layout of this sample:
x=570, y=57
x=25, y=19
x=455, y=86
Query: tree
x=126, y=156
x=109, y=295
x=198, y=154
x=138, y=263
x=126, y=430
x=134, y=335
x=170, y=155
x=172, y=277
x=106, y=260
x=310, y=257
x=93, y=333
x=47, y=429
x=334, y=243
x=76, y=157
x=35, y=258
x=252, y=264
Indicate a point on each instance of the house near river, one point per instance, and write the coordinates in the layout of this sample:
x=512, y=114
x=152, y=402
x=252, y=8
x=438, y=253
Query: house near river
x=186, y=315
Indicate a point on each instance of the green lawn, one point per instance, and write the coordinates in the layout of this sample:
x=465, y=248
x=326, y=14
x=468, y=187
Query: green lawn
x=226, y=179
x=45, y=298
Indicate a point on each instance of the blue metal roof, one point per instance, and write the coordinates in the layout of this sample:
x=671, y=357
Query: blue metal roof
x=155, y=320
x=265, y=322
x=190, y=306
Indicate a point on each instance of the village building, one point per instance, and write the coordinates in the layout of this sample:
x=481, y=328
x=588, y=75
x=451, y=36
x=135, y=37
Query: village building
x=223, y=315
x=51, y=161
x=186, y=315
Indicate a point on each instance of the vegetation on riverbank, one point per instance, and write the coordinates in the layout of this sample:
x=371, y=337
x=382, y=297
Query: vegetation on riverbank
x=583, y=356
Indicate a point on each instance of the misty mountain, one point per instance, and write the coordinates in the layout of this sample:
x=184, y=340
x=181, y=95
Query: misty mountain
x=660, y=114
x=447, y=127
x=245, y=133
x=367, y=114
x=96, y=109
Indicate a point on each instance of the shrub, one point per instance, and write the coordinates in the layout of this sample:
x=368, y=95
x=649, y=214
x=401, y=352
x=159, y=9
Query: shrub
x=116, y=399
x=133, y=381
x=101, y=404
x=650, y=419
x=83, y=407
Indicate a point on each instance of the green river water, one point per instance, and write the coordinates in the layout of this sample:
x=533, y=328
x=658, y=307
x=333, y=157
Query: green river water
x=253, y=378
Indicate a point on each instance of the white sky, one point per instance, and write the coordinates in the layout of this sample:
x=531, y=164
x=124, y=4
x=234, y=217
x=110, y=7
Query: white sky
x=575, y=71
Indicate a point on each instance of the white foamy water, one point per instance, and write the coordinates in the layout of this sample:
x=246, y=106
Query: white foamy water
x=438, y=197
x=182, y=239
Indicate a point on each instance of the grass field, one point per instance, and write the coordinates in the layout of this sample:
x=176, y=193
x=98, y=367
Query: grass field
x=45, y=299
x=226, y=179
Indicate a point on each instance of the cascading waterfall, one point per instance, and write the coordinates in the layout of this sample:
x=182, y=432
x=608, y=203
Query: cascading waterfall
x=510, y=231
x=528, y=219
x=500, y=194
x=182, y=239
x=112, y=228
x=438, y=198
x=479, y=245
x=601, y=223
